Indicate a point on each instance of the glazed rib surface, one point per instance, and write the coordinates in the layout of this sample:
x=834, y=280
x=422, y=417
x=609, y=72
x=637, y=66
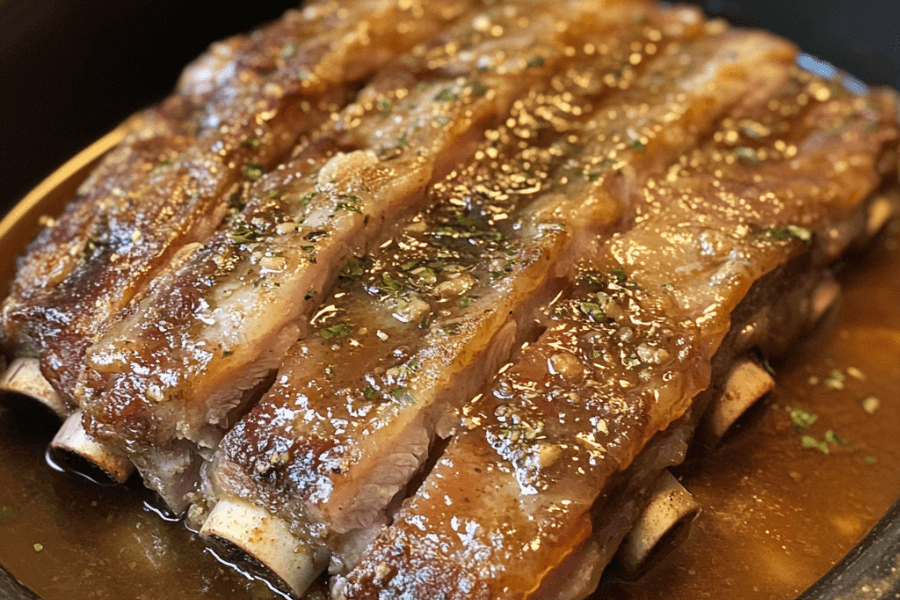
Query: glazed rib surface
x=238, y=303
x=239, y=132
x=429, y=293
x=417, y=328
x=630, y=347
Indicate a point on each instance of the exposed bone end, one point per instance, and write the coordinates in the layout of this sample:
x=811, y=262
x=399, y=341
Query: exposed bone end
x=75, y=450
x=263, y=544
x=880, y=212
x=24, y=377
x=823, y=298
x=747, y=382
x=663, y=524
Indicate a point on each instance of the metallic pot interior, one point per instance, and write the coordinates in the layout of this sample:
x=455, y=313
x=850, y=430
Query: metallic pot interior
x=70, y=70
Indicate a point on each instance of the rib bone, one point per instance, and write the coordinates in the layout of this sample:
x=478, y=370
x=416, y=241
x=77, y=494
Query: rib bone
x=823, y=298
x=663, y=524
x=267, y=539
x=747, y=382
x=880, y=212
x=73, y=442
x=24, y=377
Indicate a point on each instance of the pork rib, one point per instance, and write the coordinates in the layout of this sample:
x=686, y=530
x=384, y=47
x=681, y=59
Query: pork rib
x=243, y=130
x=169, y=379
x=751, y=214
x=407, y=338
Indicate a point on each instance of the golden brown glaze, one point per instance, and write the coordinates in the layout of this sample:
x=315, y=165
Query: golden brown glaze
x=630, y=347
x=243, y=131
x=416, y=328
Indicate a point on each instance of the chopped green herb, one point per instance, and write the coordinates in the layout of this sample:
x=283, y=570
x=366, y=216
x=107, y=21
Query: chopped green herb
x=631, y=362
x=9, y=512
x=446, y=95
x=870, y=460
x=788, y=233
x=478, y=89
x=802, y=419
x=336, y=330
x=409, y=265
x=452, y=329
x=425, y=274
x=391, y=285
x=537, y=61
x=832, y=438
x=384, y=107
x=273, y=195
x=835, y=380
x=368, y=392
x=310, y=293
x=308, y=197
x=808, y=441
x=402, y=395
x=288, y=50
x=254, y=171
x=92, y=245
x=619, y=274
x=465, y=301
x=244, y=235
x=403, y=141
x=768, y=367
x=869, y=404
x=250, y=143
x=638, y=145
x=593, y=310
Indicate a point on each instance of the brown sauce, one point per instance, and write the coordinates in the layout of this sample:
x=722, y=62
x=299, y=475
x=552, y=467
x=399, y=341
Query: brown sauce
x=775, y=515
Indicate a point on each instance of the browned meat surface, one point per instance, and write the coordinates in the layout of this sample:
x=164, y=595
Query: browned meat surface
x=631, y=346
x=429, y=293
x=175, y=371
x=417, y=328
x=243, y=131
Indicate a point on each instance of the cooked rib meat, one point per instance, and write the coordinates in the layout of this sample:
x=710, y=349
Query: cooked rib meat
x=243, y=131
x=156, y=137
x=677, y=187
x=629, y=349
x=169, y=378
x=408, y=337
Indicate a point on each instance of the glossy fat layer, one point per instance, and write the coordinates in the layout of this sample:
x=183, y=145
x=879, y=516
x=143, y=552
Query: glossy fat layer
x=631, y=345
x=356, y=405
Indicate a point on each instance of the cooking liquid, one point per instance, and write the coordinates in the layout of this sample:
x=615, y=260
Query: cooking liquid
x=775, y=515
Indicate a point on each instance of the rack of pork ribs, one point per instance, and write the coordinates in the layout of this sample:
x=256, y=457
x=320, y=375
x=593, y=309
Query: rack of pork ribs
x=423, y=298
